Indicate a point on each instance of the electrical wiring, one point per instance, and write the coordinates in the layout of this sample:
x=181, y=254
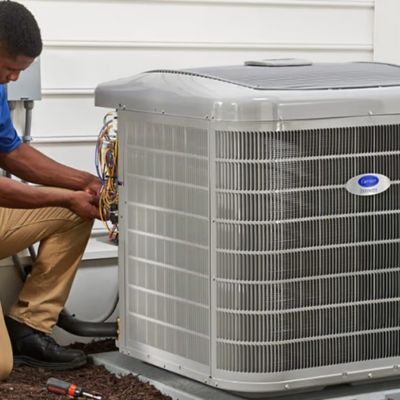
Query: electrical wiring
x=106, y=160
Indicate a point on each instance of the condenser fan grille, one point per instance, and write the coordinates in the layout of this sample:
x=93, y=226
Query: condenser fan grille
x=307, y=273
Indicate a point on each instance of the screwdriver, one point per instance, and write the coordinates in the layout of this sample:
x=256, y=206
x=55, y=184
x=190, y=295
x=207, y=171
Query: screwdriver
x=69, y=389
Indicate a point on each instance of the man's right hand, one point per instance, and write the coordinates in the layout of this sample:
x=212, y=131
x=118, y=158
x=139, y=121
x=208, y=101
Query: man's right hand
x=85, y=205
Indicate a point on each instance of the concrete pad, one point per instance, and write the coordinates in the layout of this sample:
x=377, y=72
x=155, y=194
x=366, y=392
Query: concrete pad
x=182, y=388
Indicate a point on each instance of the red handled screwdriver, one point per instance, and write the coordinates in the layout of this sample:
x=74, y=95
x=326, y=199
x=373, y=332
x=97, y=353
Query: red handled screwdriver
x=69, y=389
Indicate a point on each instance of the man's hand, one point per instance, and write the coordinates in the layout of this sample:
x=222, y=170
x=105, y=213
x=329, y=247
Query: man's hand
x=84, y=204
x=93, y=185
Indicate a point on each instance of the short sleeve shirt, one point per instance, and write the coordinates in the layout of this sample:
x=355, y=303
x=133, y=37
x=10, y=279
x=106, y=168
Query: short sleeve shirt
x=9, y=139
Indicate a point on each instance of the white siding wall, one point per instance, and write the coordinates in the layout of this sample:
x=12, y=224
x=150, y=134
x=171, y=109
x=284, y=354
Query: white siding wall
x=91, y=41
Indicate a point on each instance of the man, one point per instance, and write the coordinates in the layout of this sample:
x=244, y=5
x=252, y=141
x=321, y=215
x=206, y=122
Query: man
x=61, y=220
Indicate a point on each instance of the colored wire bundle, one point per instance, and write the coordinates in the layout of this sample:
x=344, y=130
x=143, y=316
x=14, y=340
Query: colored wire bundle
x=106, y=160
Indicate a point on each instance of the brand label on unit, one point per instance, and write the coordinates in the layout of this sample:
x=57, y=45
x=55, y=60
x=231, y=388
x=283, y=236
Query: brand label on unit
x=368, y=184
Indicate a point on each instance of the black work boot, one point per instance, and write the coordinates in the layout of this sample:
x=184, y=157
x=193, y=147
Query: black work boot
x=37, y=349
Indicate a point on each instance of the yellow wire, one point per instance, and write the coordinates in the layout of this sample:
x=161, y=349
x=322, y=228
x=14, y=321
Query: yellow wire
x=109, y=192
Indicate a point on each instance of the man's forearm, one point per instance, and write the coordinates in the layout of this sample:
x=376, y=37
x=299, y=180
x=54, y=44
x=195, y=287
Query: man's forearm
x=14, y=194
x=29, y=164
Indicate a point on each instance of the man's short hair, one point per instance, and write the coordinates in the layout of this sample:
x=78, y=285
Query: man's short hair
x=19, y=31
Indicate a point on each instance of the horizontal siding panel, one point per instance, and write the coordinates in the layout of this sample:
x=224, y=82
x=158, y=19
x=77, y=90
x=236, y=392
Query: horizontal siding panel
x=308, y=3
x=85, y=68
x=59, y=139
x=126, y=44
x=241, y=22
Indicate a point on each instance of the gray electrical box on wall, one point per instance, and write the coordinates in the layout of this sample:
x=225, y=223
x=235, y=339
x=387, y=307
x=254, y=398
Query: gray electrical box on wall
x=28, y=86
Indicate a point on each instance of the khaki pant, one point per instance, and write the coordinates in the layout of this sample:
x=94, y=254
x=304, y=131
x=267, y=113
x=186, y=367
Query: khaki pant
x=6, y=359
x=63, y=237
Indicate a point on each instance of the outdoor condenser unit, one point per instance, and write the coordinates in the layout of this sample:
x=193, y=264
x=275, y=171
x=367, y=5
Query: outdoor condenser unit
x=260, y=222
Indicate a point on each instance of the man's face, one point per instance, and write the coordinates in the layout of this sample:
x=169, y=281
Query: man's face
x=11, y=66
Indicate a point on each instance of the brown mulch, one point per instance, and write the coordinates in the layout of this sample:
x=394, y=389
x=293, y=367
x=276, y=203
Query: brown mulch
x=28, y=383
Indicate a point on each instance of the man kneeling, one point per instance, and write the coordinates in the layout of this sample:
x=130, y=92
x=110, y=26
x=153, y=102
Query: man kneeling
x=61, y=220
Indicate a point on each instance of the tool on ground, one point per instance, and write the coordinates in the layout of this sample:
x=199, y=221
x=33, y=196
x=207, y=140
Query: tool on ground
x=69, y=389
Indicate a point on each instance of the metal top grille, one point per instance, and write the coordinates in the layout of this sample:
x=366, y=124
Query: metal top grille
x=310, y=77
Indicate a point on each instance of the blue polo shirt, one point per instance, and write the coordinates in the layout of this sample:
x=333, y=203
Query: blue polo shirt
x=9, y=139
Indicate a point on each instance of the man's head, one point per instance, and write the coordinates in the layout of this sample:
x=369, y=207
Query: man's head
x=20, y=40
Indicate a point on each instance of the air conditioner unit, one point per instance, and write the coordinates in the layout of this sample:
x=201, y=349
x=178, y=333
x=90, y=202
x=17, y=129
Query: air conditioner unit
x=260, y=222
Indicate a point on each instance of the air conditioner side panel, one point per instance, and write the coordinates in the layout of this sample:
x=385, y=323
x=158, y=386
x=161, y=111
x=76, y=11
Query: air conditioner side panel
x=306, y=273
x=164, y=260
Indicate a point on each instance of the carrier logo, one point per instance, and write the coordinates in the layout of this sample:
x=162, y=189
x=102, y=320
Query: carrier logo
x=368, y=184
x=368, y=181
